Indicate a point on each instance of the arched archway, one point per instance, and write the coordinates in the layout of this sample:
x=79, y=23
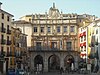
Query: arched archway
x=68, y=62
x=53, y=63
x=38, y=63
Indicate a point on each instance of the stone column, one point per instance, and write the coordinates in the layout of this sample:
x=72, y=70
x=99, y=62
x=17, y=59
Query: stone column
x=76, y=62
x=45, y=64
x=4, y=67
x=61, y=61
x=31, y=62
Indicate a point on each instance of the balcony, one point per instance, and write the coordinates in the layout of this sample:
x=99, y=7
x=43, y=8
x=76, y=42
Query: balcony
x=3, y=41
x=3, y=30
x=2, y=54
x=19, y=56
x=10, y=54
x=8, y=31
x=81, y=44
x=84, y=44
x=96, y=43
x=81, y=34
x=8, y=42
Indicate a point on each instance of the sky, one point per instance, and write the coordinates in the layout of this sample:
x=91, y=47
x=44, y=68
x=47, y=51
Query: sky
x=20, y=8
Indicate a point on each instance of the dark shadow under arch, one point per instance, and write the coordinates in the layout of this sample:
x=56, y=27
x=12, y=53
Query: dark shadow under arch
x=68, y=60
x=53, y=63
x=38, y=63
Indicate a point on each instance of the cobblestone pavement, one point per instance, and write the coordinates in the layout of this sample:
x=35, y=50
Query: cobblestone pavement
x=57, y=73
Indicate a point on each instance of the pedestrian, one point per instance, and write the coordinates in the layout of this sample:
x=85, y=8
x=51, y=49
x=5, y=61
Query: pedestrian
x=61, y=70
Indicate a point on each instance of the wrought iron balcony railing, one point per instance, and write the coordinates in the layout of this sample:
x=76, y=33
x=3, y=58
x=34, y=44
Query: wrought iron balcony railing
x=3, y=41
x=8, y=31
x=2, y=54
x=3, y=30
x=47, y=48
x=8, y=42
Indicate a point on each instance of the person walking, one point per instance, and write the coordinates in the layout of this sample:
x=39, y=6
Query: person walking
x=61, y=70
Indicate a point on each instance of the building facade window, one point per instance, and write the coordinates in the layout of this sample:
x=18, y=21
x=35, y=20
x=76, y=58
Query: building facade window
x=49, y=29
x=2, y=25
x=2, y=15
x=58, y=29
x=69, y=45
x=8, y=18
x=72, y=28
x=42, y=29
x=38, y=46
x=2, y=49
x=65, y=29
x=7, y=27
x=53, y=45
x=35, y=29
x=97, y=31
x=2, y=36
x=84, y=38
x=81, y=39
x=7, y=37
x=7, y=50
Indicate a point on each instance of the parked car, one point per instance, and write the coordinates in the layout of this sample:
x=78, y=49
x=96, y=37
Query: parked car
x=11, y=71
x=21, y=72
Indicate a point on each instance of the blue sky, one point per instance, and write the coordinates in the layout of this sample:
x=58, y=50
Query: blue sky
x=20, y=8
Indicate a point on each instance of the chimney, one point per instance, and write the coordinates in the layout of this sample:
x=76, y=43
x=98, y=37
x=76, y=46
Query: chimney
x=0, y=5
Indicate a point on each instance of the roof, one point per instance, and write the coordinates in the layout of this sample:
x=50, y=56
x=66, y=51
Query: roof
x=22, y=22
x=6, y=12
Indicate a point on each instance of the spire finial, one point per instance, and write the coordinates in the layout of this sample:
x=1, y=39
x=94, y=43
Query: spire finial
x=53, y=5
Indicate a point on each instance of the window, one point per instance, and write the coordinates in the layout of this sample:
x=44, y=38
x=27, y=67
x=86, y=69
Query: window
x=7, y=27
x=69, y=45
x=29, y=19
x=2, y=36
x=49, y=29
x=84, y=38
x=38, y=46
x=42, y=29
x=7, y=37
x=65, y=28
x=2, y=16
x=85, y=48
x=72, y=28
x=35, y=29
x=58, y=29
x=97, y=31
x=53, y=44
x=8, y=18
x=81, y=39
x=2, y=49
x=81, y=49
x=7, y=50
x=2, y=25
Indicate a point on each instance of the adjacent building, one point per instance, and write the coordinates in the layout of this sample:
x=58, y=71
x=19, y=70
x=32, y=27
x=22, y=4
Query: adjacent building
x=18, y=49
x=5, y=38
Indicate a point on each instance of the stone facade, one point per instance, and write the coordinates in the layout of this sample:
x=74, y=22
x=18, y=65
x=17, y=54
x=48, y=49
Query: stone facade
x=55, y=36
x=5, y=38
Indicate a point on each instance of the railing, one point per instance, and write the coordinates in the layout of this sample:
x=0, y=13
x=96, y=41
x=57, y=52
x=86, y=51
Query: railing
x=47, y=48
x=2, y=54
x=10, y=54
x=8, y=31
x=3, y=30
x=8, y=42
x=3, y=41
